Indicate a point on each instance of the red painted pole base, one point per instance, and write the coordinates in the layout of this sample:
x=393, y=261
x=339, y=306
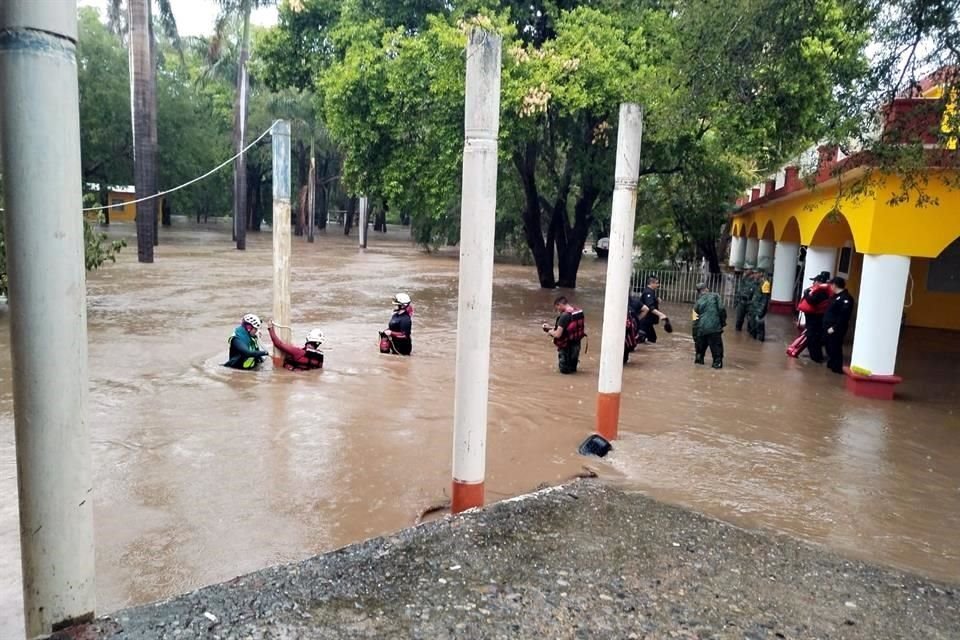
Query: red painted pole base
x=876, y=387
x=781, y=308
x=466, y=495
x=608, y=415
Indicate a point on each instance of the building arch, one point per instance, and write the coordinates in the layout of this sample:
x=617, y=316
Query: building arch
x=791, y=231
x=833, y=231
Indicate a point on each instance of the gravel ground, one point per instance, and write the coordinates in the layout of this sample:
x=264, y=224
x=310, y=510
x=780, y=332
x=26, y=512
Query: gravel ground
x=581, y=561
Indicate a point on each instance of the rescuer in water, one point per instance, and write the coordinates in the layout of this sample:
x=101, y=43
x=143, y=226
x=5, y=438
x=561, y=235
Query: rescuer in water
x=709, y=318
x=245, y=351
x=396, y=338
x=814, y=303
x=567, y=333
x=296, y=358
x=758, y=307
x=836, y=321
x=743, y=296
x=650, y=313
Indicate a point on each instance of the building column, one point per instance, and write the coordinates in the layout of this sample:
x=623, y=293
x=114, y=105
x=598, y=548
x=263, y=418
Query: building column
x=784, y=277
x=883, y=286
x=753, y=249
x=818, y=259
x=765, y=255
x=738, y=252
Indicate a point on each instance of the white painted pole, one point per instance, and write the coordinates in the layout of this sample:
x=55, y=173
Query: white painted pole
x=362, y=227
x=765, y=255
x=740, y=255
x=281, y=233
x=753, y=249
x=784, y=271
x=737, y=247
x=818, y=259
x=619, y=268
x=40, y=134
x=883, y=287
x=478, y=214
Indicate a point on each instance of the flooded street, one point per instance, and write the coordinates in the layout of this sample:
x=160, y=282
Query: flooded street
x=204, y=473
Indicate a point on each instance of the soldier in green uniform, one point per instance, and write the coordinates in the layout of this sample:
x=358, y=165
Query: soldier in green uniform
x=743, y=296
x=759, y=303
x=709, y=318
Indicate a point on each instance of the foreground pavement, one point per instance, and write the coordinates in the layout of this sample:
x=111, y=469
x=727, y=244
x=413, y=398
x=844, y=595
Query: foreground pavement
x=581, y=561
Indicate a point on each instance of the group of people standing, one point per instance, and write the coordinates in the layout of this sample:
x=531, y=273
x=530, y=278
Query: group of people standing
x=825, y=310
x=245, y=351
x=752, y=302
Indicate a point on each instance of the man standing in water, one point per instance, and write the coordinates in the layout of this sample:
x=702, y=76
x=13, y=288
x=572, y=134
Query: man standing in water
x=744, y=296
x=567, y=332
x=709, y=317
x=836, y=321
x=397, y=338
x=245, y=351
x=650, y=313
x=759, y=304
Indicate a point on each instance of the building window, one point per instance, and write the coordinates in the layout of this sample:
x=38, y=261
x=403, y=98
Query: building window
x=943, y=272
x=843, y=264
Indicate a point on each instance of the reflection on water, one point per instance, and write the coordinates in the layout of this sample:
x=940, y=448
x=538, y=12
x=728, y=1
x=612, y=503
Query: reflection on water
x=203, y=473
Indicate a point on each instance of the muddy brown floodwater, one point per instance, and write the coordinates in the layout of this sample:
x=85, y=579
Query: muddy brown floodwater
x=203, y=473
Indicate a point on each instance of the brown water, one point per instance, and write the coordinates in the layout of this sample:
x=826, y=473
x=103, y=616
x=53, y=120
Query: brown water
x=203, y=473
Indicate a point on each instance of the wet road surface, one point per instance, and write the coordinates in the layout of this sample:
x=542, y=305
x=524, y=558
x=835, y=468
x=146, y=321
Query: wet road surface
x=203, y=473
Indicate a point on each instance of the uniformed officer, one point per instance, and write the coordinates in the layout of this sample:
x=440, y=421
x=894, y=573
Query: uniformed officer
x=759, y=303
x=836, y=321
x=709, y=318
x=650, y=313
x=744, y=295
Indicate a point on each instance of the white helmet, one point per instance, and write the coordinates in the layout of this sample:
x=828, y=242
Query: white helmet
x=315, y=336
x=401, y=300
x=252, y=320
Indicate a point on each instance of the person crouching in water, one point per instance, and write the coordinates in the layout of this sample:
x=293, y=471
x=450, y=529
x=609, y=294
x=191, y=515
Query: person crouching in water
x=245, y=351
x=396, y=339
x=709, y=319
x=296, y=358
x=567, y=332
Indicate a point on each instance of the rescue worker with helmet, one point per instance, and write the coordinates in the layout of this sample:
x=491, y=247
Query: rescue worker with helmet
x=296, y=358
x=709, y=318
x=813, y=304
x=759, y=304
x=245, y=351
x=743, y=297
x=396, y=339
x=567, y=333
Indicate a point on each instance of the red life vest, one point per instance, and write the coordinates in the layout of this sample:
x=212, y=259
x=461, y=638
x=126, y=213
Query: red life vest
x=632, y=336
x=576, y=329
x=312, y=359
x=818, y=309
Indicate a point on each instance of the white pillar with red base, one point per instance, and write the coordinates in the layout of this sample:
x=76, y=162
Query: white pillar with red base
x=753, y=250
x=784, y=277
x=738, y=248
x=819, y=259
x=765, y=255
x=883, y=286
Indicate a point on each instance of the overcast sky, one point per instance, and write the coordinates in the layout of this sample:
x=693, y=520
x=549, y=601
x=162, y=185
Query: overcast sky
x=196, y=17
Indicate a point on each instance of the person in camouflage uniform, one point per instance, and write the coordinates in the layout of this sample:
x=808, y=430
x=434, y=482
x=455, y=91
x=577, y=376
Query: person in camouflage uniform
x=743, y=296
x=709, y=318
x=759, y=303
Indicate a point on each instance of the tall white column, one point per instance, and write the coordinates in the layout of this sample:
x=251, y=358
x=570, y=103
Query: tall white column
x=738, y=247
x=478, y=206
x=753, y=248
x=619, y=268
x=784, y=271
x=740, y=253
x=362, y=226
x=883, y=286
x=40, y=136
x=765, y=255
x=818, y=259
x=281, y=233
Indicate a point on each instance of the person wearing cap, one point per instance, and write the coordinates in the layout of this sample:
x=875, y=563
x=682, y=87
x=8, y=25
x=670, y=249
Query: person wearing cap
x=759, y=303
x=743, y=296
x=397, y=337
x=709, y=318
x=650, y=313
x=296, y=358
x=836, y=321
x=245, y=351
x=813, y=304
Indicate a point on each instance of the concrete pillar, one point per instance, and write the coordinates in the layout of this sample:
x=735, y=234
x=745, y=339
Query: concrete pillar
x=619, y=269
x=478, y=206
x=753, y=249
x=40, y=137
x=765, y=255
x=281, y=233
x=739, y=253
x=818, y=259
x=364, y=221
x=883, y=286
x=784, y=277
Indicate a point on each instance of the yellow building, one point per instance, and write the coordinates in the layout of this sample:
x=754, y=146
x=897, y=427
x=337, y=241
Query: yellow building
x=902, y=261
x=120, y=200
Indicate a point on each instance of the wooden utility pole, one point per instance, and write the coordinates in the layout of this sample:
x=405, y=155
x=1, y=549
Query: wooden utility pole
x=281, y=232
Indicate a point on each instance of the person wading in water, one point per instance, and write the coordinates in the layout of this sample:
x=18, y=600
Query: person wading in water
x=567, y=333
x=296, y=358
x=396, y=338
x=245, y=351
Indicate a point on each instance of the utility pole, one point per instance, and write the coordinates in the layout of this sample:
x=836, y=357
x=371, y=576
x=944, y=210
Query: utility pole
x=40, y=134
x=312, y=192
x=478, y=216
x=619, y=268
x=362, y=226
x=281, y=232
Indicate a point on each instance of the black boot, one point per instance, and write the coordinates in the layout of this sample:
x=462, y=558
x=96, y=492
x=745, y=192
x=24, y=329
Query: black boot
x=718, y=363
x=698, y=360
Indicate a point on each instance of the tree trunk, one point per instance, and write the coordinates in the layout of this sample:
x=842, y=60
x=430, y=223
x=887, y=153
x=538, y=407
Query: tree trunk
x=709, y=251
x=303, y=201
x=303, y=177
x=251, y=199
x=576, y=238
x=105, y=202
x=239, y=136
x=143, y=103
x=323, y=191
x=257, y=202
x=155, y=185
x=167, y=213
x=526, y=164
x=348, y=216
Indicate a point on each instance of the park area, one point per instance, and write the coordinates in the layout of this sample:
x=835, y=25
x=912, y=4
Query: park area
x=203, y=473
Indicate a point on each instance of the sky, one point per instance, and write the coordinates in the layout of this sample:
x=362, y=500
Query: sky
x=196, y=17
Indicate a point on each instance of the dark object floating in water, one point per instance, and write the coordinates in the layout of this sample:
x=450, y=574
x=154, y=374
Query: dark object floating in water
x=595, y=445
